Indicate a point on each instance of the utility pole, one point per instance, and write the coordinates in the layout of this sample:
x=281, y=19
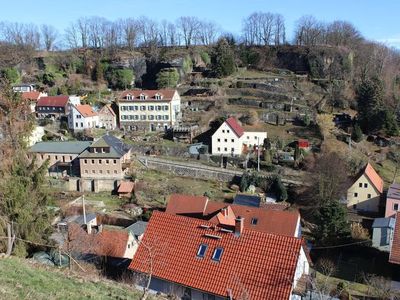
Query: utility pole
x=258, y=154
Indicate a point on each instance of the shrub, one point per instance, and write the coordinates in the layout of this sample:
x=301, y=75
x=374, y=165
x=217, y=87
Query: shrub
x=167, y=78
x=357, y=134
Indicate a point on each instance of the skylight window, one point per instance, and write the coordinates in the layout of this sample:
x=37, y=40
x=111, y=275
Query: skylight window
x=202, y=250
x=217, y=254
x=254, y=221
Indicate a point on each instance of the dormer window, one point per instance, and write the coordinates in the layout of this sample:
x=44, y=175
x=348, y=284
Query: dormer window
x=129, y=97
x=254, y=221
x=142, y=96
x=158, y=97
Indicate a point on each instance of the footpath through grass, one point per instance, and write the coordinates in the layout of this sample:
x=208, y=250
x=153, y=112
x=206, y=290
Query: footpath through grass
x=20, y=279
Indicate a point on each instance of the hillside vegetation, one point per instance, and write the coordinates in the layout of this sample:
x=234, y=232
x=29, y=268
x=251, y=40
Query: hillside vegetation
x=21, y=279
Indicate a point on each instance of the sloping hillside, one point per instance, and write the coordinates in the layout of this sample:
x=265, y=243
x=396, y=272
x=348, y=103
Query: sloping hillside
x=21, y=279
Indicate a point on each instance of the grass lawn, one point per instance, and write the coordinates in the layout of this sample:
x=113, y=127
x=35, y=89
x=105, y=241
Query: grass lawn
x=155, y=186
x=111, y=202
x=20, y=279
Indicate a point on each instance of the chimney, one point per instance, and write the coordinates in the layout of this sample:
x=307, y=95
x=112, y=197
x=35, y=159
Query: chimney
x=239, y=223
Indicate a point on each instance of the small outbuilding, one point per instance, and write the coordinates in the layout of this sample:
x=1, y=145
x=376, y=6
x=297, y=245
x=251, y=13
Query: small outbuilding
x=126, y=189
x=382, y=233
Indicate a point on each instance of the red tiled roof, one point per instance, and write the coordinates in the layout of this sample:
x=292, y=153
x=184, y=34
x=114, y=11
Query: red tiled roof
x=234, y=125
x=270, y=219
x=374, y=177
x=259, y=264
x=57, y=101
x=85, y=110
x=31, y=95
x=111, y=243
x=303, y=143
x=394, y=257
x=186, y=204
x=150, y=94
x=105, y=108
x=126, y=187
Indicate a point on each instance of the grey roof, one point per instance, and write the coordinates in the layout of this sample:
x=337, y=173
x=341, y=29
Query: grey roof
x=394, y=191
x=89, y=217
x=73, y=147
x=247, y=200
x=383, y=223
x=117, y=148
x=138, y=228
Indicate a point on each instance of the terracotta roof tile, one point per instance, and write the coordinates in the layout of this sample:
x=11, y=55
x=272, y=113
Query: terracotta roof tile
x=270, y=219
x=126, y=187
x=260, y=264
x=57, y=101
x=31, y=95
x=232, y=123
x=166, y=94
x=374, y=177
x=86, y=110
x=395, y=249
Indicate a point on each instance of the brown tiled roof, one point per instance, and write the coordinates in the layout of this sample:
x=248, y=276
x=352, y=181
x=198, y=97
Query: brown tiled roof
x=270, y=219
x=107, y=107
x=374, y=177
x=258, y=264
x=166, y=94
x=31, y=95
x=232, y=123
x=395, y=250
x=111, y=243
x=85, y=110
x=126, y=187
x=186, y=204
x=57, y=101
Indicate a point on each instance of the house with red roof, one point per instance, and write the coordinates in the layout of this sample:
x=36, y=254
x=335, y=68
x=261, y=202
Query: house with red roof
x=231, y=139
x=107, y=117
x=273, y=219
x=197, y=259
x=82, y=117
x=32, y=97
x=365, y=193
x=149, y=110
x=52, y=106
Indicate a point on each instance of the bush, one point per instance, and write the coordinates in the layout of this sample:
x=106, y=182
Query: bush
x=205, y=58
x=357, y=134
x=223, y=60
x=119, y=78
x=187, y=65
x=11, y=74
x=167, y=78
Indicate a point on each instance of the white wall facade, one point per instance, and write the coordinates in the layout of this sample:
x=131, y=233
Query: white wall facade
x=363, y=195
x=150, y=113
x=76, y=121
x=226, y=142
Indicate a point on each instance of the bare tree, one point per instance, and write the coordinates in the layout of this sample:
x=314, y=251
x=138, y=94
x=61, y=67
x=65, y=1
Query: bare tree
x=342, y=33
x=380, y=287
x=82, y=26
x=207, y=33
x=148, y=31
x=280, y=30
x=309, y=31
x=49, y=36
x=130, y=32
x=71, y=36
x=189, y=27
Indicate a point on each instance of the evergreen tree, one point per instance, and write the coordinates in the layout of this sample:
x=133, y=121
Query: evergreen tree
x=280, y=189
x=223, y=59
x=167, y=78
x=357, y=134
x=332, y=225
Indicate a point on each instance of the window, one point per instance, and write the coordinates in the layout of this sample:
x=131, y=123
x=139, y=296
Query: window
x=131, y=107
x=396, y=206
x=143, y=117
x=151, y=107
x=225, y=149
x=232, y=140
x=248, y=137
x=115, y=161
x=217, y=254
x=115, y=172
x=166, y=117
x=232, y=150
x=365, y=185
x=225, y=140
x=227, y=131
x=165, y=107
x=143, y=107
x=101, y=171
x=94, y=171
x=223, y=130
x=56, y=157
x=158, y=97
x=108, y=172
x=219, y=149
x=254, y=221
x=78, y=116
x=135, y=107
x=202, y=250
x=159, y=117
x=86, y=171
x=369, y=196
x=76, y=124
x=151, y=117
x=218, y=140
x=70, y=158
x=356, y=195
x=100, y=161
x=360, y=184
x=92, y=161
x=159, y=107
x=85, y=161
x=81, y=124
x=107, y=161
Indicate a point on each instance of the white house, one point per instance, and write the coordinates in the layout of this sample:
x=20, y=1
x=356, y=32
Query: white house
x=151, y=110
x=231, y=139
x=82, y=117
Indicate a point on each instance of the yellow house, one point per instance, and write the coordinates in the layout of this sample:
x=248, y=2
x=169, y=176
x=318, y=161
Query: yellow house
x=366, y=191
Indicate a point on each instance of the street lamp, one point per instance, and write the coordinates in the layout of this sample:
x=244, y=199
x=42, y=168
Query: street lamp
x=258, y=154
